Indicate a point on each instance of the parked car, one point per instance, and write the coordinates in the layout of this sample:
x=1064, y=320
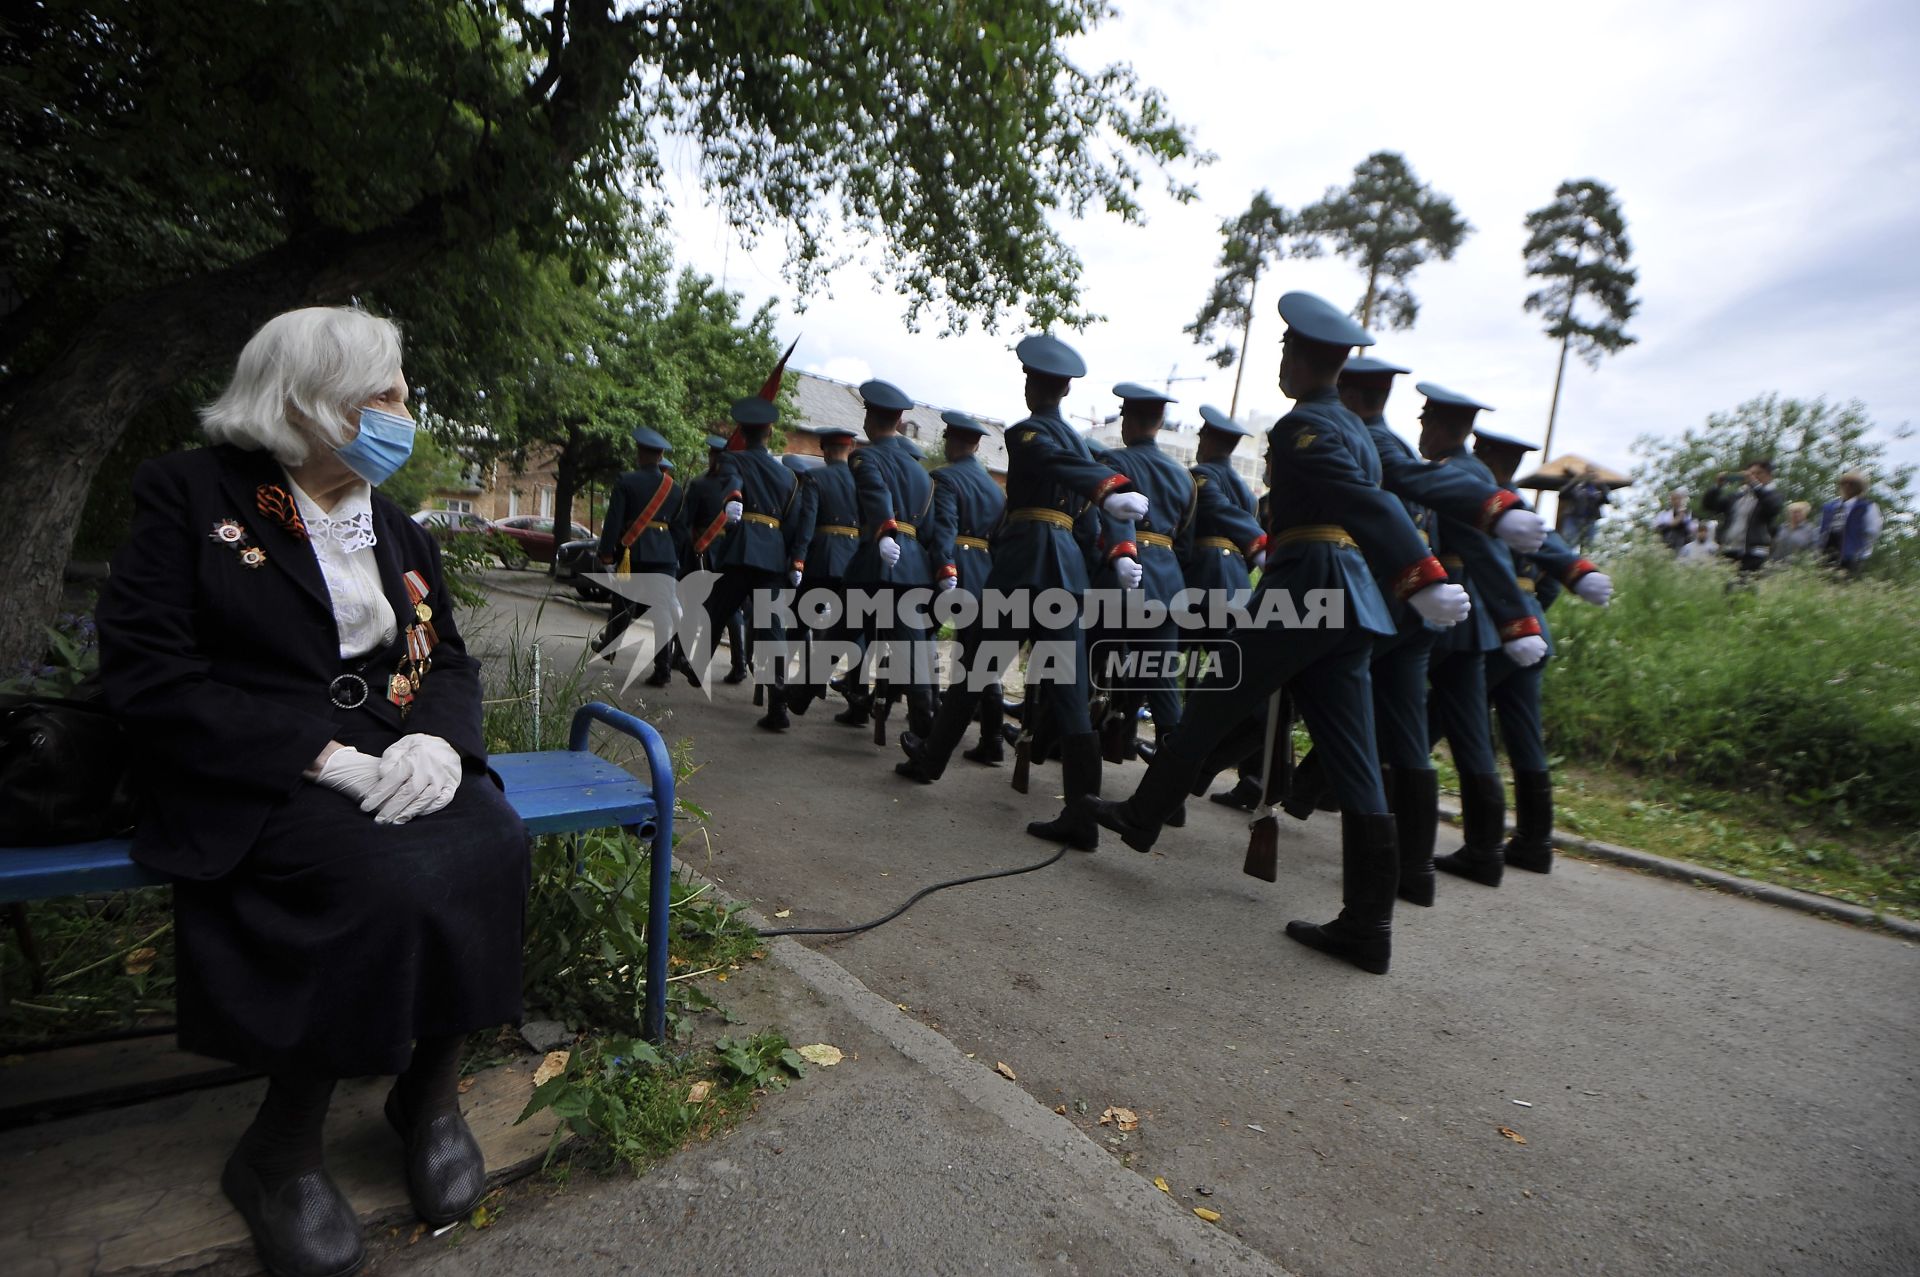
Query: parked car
x=534, y=538
x=571, y=564
x=450, y=523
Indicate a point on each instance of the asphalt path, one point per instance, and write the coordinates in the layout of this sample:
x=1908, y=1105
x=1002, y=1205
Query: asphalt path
x=1595, y=1071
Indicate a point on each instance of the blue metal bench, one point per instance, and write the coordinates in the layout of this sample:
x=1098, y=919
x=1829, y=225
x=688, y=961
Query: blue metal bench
x=555, y=791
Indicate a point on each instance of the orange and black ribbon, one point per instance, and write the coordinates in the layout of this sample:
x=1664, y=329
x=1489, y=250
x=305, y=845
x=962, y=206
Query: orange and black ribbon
x=273, y=501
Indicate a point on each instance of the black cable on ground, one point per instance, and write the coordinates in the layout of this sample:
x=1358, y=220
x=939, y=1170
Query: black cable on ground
x=912, y=900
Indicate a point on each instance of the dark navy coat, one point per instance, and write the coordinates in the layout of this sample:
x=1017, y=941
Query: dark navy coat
x=1473, y=560
x=1542, y=575
x=896, y=498
x=1169, y=490
x=1224, y=530
x=966, y=504
x=1051, y=473
x=832, y=521
x=705, y=502
x=768, y=537
x=658, y=547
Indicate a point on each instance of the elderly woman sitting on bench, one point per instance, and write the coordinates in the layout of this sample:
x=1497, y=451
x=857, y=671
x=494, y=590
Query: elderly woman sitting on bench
x=350, y=882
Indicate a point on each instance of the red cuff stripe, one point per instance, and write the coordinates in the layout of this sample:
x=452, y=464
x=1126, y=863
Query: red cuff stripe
x=1579, y=569
x=948, y=570
x=1107, y=485
x=1127, y=548
x=1254, y=547
x=1496, y=505
x=1525, y=627
x=890, y=525
x=1418, y=577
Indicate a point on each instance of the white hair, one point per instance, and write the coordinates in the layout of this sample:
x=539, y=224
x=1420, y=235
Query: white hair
x=298, y=378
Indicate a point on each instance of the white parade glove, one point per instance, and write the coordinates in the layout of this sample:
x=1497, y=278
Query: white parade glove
x=949, y=582
x=1595, y=587
x=1443, y=603
x=734, y=511
x=1129, y=571
x=1259, y=559
x=793, y=578
x=350, y=772
x=1524, y=530
x=1527, y=650
x=418, y=776
x=1129, y=507
x=889, y=551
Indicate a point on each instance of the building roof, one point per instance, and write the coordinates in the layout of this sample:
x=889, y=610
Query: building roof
x=822, y=401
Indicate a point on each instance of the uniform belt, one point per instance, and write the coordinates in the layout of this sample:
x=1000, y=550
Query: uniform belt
x=1216, y=543
x=906, y=530
x=659, y=525
x=1316, y=533
x=766, y=520
x=1036, y=514
x=1525, y=583
x=1453, y=562
x=1160, y=539
x=971, y=543
x=835, y=530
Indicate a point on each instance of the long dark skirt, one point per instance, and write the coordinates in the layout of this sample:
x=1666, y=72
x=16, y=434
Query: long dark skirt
x=336, y=942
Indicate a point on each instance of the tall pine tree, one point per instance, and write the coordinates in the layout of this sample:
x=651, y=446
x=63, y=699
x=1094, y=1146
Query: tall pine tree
x=1250, y=241
x=1578, y=246
x=1388, y=223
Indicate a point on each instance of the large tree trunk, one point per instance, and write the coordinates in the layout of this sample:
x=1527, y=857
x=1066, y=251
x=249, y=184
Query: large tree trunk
x=566, y=478
x=58, y=425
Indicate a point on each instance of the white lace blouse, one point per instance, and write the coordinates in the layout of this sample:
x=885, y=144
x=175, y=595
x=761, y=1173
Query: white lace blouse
x=343, y=542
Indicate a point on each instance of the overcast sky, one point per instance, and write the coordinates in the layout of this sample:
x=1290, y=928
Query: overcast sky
x=1766, y=154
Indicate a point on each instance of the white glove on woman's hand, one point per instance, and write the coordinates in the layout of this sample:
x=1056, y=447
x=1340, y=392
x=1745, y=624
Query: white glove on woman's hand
x=1524, y=530
x=1129, y=572
x=1529, y=649
x=1443, y=603
x=889, y=551
x=949, y=582
x=1130, y=506
x=734, y=511
x=418, y=776
x=1595, y=587
x=350, y=772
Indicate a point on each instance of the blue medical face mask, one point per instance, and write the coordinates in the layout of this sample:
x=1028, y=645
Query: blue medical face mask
x=383, y=445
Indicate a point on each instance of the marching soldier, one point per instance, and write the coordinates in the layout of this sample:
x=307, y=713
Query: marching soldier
x=1140, y=556
x=638, y=537
x=1051, y=479
x=702, y=534
x=967, y=504
x=1456, y=672
x=763, y=552
x=895, y=497
x=833, y=513
x=1514, y=688
x=1331, y=517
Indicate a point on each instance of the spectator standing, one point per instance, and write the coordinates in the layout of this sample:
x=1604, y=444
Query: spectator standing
x=1580, y=501
x=1675, y=524
x=1701, y=549
x=1752, y=510
x=1849, y=524
x=1799, y=538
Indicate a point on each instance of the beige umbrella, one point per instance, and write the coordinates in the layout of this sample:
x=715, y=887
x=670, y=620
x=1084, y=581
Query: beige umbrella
x=1553, y=476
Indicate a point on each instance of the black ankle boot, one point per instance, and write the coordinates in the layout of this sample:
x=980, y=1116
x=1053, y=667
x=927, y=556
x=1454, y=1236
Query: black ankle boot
x=1531, y=847
x=927, y=759
x=1415, y=795
x=1369, y=873
x=1483, y=820
x=1244, y=796
x=800, y=699
x=446, y=1173
x=989, y=752
x=859, y=708
x=775, y=719
x=1080, y=770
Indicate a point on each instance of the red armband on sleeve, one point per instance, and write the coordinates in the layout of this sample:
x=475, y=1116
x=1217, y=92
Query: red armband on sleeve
x=1127, y=548
x=1526, y=626
x=1496, y=505
x=1254, y=546
x=1107, y=486
x=1579, y=569
x=890, y=526
x=1418, y=577
x=799, y=565
x=947, y=570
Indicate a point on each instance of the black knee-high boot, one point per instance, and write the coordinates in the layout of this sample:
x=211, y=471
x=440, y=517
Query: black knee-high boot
x=1369, y=874
x=1415, y=795
x=1080, y=770
x=927, y=759
x=1160, y=794
x=446, y=1174
x=1531, y=846
x=1483, y=825
x=302, y=1224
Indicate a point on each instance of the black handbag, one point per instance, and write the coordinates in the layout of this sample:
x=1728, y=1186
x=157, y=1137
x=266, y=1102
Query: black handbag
x=63, y=772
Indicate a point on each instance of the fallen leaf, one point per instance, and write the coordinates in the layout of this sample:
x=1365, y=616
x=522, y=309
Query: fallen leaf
x=1513, y=1135
x=419, y=1231
x=141, y=961
x=1122, y=1119
x=552, y=1067
x=699, y=1091
x=784, y=913
x=482, y=1217
x=1160, y=1182
x=822, y=1054
x=721, y=977
x=466, y=1084
x=903, y=1006
x=1211, y=1216
x=1005, y=1070
x=1061, y=1109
